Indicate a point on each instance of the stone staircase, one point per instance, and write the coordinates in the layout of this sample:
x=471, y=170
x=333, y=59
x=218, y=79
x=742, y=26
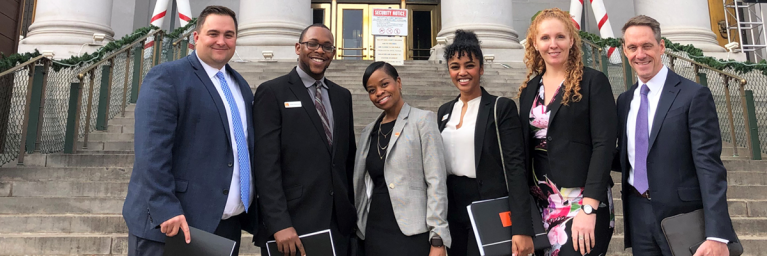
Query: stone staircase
x=59, y=204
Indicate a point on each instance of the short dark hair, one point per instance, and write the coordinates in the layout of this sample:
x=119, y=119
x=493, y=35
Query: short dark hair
x=388, y=68
x=301, y=37
x=465, y=42
x=215, y=9
x=644, y=20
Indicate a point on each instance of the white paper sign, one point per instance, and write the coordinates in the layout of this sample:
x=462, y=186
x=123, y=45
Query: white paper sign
x=389, y=22
x=390, y=49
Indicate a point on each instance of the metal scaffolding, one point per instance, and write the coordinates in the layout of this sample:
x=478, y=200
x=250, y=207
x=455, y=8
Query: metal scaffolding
x=746, y=19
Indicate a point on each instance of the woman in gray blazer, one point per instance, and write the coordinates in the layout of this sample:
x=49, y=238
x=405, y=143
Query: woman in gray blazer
x=399, y=174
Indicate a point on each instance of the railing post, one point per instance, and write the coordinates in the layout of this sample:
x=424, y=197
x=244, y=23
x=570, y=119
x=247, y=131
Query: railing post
x=585, y=57
x=35, y=105
x=125, y=82
x=138, y=71
x=105, y=96
x=730, y=117
x=605, y=62
x=594, y=58
x=671, y=63
x=753, y=127
x=701, y=77
x=41, y=113
x=157, y=50
x=73, y=117
x=628, y=73
x=183, y=48
x=171, y=52
x=27, y=108
x=89, y=109
x=746, y=122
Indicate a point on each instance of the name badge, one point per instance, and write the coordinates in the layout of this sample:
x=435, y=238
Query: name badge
x=445, y=117
x=292, y=104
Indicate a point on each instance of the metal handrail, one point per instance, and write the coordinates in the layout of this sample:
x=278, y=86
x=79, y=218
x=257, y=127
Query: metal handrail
x=22, y=65
x=114, y=54
x=182, y=37
x=740, y=79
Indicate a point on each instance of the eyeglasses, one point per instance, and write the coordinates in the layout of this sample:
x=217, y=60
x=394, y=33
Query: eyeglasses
x=314, y=46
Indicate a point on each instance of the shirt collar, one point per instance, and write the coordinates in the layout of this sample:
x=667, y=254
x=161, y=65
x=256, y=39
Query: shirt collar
x=211, y=71
x=308, y=80
x=656, y=83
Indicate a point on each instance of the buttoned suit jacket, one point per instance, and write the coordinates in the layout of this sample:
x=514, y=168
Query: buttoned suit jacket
x=684, y=169
x=183, y=151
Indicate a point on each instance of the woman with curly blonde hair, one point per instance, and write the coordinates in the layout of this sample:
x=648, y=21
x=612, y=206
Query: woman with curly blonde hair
x=570, y=129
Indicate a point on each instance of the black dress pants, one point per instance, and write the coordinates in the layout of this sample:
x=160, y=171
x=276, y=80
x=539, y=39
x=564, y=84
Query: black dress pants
x=647, y=237
x=461, y=192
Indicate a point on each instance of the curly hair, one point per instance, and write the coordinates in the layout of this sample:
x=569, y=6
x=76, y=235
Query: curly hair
x=573, y=66
x=465, y=42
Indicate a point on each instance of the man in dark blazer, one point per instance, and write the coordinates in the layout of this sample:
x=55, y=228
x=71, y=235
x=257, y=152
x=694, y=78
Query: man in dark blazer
x=193, y=144
x=305, y=147
x=669, y=149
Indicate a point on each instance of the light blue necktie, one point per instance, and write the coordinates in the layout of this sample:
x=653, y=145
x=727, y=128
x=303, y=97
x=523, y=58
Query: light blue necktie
x=243, y=158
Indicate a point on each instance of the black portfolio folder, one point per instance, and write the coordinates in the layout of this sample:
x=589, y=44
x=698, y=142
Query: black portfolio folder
x=203, y=244
x=319, y=243
x=492, y=225
x=685, y=233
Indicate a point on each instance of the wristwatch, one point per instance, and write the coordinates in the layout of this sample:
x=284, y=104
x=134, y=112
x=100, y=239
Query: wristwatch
x=587, y=209
x=436, y=241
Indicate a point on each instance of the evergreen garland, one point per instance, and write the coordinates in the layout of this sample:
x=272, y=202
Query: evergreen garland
x=18, y=58
x=181, y=30
x=694, y=53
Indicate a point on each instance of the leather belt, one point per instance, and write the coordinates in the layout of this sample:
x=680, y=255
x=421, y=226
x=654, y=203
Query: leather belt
x=634, y=191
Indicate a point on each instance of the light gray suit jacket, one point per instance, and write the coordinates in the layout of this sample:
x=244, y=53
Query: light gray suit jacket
x=415, y=174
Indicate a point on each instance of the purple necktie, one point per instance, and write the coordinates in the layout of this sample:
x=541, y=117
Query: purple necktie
x=641, y=140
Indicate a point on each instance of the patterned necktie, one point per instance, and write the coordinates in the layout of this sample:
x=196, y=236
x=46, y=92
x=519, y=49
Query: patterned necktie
x=641, y=140
x=243, y=158
x=321, y=111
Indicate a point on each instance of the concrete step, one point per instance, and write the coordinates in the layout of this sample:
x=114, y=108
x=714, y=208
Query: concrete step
x=67, y=189
x=83, y=244
x=109, y=137
x=106, y=145
x=64, y=174
x=736, y=207
x=744, y=226
x=79, y=160
x=752, y=246
x=758, y=192
x=38, y=205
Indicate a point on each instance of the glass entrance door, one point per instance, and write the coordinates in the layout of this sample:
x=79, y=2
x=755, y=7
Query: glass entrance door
x=353, y=35
x=423, y=28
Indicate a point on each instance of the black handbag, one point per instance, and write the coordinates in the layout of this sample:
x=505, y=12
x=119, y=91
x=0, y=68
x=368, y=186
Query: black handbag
x=540, y=238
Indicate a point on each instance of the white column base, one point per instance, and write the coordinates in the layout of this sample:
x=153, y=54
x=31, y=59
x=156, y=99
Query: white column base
x=254, y=53
x=701, y=38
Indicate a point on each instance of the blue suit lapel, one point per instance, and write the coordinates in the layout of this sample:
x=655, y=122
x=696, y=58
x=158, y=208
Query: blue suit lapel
x=667, y=97
x=203, y=76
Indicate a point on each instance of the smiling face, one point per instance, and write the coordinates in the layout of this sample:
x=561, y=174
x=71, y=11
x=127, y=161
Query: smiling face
x=465, y=73
x=384, y=90
x=643, y=51
x=216, y=40
x=553, y=42
x=315, y=62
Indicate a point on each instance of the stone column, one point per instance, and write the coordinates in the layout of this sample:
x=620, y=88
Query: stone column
x=268, y=25
x=67, y=26
x=682, y=21
x=491, y=20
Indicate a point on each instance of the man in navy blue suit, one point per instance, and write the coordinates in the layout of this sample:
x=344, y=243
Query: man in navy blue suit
x=670, y=149
x=193, y=144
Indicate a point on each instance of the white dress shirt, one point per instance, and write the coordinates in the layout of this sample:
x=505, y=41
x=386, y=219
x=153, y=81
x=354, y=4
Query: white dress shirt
x=234, y=204
x=653, y=97
x=459, y=143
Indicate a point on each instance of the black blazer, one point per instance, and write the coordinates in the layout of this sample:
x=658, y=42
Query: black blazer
x=581, y=136
x=487, y=157
x=301, y=180
x=684, y=169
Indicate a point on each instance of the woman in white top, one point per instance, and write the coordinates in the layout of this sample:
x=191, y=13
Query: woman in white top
x=472, y=154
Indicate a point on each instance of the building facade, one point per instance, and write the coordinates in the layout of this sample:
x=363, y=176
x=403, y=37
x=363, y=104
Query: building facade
x=267, y=25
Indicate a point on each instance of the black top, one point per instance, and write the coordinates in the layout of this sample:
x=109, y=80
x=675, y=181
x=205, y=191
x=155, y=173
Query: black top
x=581, y=136
x=379, y=143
